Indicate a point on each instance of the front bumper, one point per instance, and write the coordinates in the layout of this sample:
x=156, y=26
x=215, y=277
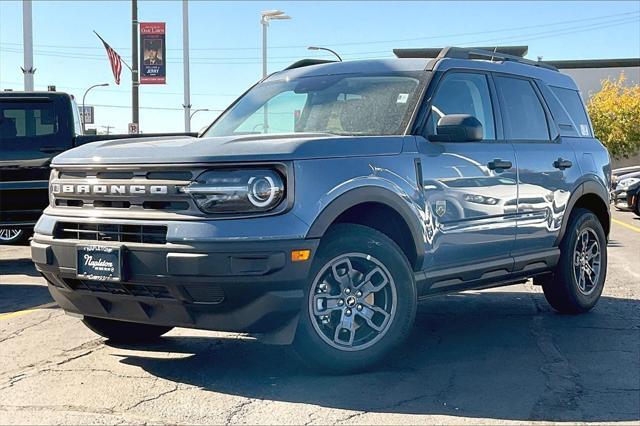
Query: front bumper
x=240, y=286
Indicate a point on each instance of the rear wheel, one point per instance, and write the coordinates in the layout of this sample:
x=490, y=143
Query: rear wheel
x=360, y=303
x=578, y=280
x=11, y=235
x=123, y=331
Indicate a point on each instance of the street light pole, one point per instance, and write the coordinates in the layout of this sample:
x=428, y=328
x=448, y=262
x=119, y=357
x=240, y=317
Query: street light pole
x=198, y=110
x=83, y=99
x=265, y=17
x=135, y=81
x=185, y=64
x=27, y=42
x=325, y=49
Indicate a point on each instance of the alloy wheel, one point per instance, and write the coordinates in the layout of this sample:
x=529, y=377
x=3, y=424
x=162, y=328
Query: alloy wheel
x=587, y=261
x=352, y=301
x=10, y=234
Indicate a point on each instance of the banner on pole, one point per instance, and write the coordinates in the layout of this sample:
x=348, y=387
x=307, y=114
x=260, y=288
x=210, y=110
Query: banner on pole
x=153, y=60
x=86, y=114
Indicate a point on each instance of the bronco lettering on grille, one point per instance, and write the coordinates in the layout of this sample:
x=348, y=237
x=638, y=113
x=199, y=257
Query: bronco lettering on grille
x=57, y=188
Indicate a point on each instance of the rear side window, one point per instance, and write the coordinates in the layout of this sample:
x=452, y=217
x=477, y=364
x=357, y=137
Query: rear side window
x=522, y=113
x=19, y=120
x=572, y=103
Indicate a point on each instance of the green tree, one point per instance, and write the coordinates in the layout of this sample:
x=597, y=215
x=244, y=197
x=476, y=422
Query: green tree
x=615, y=115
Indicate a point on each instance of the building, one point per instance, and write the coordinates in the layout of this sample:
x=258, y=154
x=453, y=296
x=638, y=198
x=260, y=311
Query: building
x=589, y=73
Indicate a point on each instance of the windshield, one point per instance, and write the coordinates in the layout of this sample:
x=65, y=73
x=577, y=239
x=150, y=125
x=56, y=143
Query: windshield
x=346, y=104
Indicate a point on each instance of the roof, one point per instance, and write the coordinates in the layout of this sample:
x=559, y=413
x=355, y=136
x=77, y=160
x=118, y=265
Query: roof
x=433, y=52
x=374, y=66
x=595, y=63
x=353, y=67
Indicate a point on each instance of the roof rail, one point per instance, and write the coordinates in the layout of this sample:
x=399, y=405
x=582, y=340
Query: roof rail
x=504, y=53
x=308, y=62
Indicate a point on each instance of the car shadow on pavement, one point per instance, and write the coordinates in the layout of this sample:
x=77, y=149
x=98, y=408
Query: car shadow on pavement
x=16, y=297
x=20, y=266
x=495, y=355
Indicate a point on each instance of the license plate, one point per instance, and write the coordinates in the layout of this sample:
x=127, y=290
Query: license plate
x=99, y=263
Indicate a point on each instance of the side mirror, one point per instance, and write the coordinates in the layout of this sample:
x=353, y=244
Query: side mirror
x=458, y=128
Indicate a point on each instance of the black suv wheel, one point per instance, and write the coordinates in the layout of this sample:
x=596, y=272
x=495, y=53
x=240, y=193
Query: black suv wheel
x=360, y=302
x=123, y=331
x=11, y=235
x=578, y=280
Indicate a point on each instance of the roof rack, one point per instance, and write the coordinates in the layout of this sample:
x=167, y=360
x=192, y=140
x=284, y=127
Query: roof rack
x=307, y=62
x=504, y=53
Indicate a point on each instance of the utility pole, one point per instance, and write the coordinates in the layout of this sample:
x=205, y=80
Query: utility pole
x=134, y=63
x=27, y=37
x=185, y=64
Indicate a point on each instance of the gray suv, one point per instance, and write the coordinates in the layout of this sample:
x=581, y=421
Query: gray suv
x=329, y=199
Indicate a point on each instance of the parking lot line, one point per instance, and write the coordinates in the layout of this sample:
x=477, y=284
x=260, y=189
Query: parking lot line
x=10, y=315
x=626, y=225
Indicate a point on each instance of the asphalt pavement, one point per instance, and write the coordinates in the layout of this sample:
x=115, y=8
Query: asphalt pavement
x=494, y=356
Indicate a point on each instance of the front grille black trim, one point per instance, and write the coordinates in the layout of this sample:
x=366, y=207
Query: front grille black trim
x=149, y=234
x=122, y=288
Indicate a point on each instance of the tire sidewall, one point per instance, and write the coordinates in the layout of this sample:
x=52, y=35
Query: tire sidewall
x=585, y=219
x=344, y=239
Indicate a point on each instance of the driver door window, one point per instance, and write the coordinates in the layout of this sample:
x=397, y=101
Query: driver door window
x=463, y=93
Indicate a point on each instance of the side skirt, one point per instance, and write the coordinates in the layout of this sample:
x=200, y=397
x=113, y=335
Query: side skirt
x=494, y=273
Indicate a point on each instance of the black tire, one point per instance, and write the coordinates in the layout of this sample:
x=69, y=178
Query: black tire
x=11, y=236
x=563, y=289
x=123, y=331
x=364, y=245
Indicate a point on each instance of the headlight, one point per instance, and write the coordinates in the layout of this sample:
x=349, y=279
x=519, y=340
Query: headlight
x=237, y=191
x=625, y=183
x=480, y=199
x=52, y=199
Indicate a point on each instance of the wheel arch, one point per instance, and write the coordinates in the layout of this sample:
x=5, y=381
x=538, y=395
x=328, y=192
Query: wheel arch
x=592, y=196
x=380, y=209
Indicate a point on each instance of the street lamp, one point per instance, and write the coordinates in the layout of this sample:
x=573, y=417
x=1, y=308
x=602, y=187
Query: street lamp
x=265, y=17
x=198, y=110
x=325, y=49
x=83, y=98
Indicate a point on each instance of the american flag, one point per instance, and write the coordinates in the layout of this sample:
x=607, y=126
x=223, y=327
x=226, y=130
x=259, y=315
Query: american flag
x=114, y=59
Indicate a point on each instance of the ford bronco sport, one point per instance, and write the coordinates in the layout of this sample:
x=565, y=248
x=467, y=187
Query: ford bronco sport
x=330, y=198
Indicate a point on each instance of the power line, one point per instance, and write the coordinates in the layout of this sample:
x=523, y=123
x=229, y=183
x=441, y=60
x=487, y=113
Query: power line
x=241, y=61
x=155, y=108
x=546, y=25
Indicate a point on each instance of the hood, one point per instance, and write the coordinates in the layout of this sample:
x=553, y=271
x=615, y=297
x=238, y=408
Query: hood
x=228, y=149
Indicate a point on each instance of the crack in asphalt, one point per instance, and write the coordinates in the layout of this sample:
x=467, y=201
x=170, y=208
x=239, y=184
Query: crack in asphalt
x=239, y=408
x=18, y=332
x=153, y=398
x=563, y=391
x=124, y=418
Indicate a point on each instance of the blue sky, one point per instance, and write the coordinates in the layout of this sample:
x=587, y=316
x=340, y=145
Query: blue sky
x=226, y=40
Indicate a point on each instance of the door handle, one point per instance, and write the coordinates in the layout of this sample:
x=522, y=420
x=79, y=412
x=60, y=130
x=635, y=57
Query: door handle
x=562, y=164
x=51, y=149
x=499, y=164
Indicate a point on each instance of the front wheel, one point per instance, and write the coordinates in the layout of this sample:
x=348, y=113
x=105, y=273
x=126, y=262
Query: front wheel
x=11, y=235
x=360, y=302
x=123, y=331
x=578, y=280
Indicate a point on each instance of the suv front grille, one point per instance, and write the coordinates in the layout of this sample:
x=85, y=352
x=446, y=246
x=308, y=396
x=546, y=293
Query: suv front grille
x=150, y=234
x=123, y=190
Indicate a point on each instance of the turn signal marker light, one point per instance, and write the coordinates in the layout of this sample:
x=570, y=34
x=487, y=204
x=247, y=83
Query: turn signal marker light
x=300, y=255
